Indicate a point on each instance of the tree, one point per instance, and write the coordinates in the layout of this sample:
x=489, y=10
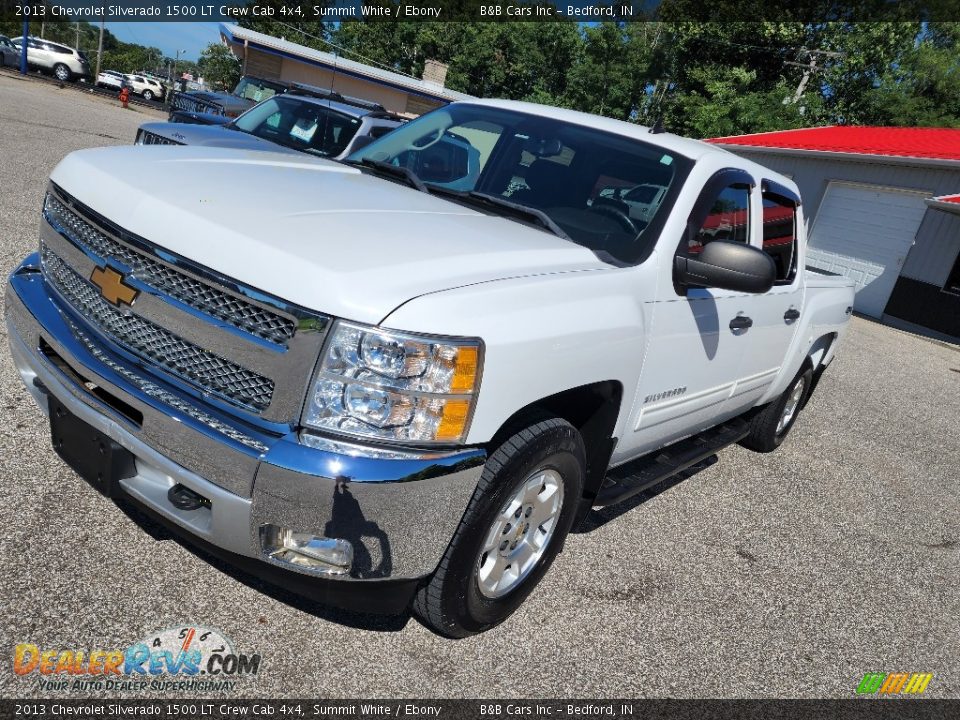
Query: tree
x=219, y=67
x=615, y=70
x=295, y=21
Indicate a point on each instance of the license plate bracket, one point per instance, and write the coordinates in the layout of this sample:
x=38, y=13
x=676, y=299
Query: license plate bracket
x=98, y=459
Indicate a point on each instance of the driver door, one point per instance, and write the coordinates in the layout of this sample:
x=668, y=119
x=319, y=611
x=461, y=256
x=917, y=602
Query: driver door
x=693, y=360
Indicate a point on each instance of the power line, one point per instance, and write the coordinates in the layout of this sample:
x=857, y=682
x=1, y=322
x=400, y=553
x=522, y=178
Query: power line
x=345, y=51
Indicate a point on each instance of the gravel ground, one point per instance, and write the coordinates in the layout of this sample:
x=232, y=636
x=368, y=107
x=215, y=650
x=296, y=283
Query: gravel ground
x=790, y=574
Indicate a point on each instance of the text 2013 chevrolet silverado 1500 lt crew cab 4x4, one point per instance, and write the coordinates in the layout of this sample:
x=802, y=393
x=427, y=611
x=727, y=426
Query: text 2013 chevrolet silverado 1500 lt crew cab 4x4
x=400, y=379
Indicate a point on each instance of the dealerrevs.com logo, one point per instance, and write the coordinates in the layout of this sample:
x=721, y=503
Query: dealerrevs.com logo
x=190, y=657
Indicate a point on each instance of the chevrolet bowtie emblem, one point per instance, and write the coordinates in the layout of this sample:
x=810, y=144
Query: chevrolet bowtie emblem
x=112, y=286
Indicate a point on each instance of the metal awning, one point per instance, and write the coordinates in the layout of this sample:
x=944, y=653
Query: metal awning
x=947, y=203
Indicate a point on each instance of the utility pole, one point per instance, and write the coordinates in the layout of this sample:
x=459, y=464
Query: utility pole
x=99, y=52
x=77, y=43
x=175, y=61
x=810, y=67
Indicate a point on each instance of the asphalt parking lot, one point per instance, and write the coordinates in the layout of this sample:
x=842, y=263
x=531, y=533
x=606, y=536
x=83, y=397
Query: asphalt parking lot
x=790, y=574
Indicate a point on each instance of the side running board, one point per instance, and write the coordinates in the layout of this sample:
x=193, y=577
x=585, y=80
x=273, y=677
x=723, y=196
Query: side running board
x=636, y=476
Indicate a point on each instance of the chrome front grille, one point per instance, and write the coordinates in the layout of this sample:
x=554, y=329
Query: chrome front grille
x=188, y=103
x=208, y=371
x=151, y=138
x=155, y=391
x=204, y=297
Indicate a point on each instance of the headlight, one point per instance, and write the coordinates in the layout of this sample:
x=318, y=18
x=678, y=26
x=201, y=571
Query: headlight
x=386, y=385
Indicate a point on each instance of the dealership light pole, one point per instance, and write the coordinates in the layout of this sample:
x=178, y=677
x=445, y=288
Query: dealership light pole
x=23, y=47
x=175, y=61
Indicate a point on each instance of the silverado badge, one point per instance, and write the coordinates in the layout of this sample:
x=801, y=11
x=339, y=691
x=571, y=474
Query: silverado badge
x=112, y=286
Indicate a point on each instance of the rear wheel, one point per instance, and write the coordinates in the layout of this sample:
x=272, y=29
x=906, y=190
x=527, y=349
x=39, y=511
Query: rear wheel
x=62, y=72
x=514, y=527
x=770, y=426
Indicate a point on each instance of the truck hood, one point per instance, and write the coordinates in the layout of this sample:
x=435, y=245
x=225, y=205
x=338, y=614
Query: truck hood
x=212, y=136
x=225, y=100
x=314, y=232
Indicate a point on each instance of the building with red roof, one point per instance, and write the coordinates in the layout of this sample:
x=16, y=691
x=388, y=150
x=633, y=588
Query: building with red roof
x=882, y=206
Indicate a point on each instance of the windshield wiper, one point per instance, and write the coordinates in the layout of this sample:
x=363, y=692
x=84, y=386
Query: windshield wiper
x=521, y=211
x=396, y=171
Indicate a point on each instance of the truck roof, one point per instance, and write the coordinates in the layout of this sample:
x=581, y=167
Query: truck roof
x=693, y=149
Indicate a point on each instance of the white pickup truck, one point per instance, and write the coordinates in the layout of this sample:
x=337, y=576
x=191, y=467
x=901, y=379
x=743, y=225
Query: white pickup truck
x=382, y=386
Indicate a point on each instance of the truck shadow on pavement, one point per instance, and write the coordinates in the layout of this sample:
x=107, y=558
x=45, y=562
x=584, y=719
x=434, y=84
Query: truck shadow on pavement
x=364, y=621
x=598, y=517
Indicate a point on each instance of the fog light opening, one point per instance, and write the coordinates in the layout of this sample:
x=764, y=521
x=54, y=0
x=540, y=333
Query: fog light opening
x=305, y=551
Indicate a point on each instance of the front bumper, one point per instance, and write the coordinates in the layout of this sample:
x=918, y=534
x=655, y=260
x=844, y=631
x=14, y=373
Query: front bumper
x=398, y=510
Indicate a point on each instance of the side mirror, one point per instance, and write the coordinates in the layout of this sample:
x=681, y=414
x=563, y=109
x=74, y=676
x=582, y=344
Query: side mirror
x=728, y=266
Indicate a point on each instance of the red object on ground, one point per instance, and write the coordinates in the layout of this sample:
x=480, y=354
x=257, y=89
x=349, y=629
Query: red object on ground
x=931, y=143
x=124, y=97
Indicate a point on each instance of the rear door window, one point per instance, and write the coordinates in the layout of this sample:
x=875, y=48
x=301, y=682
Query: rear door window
x=780, y=234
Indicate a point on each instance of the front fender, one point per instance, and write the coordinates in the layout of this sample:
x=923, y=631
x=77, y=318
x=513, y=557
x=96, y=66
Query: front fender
x=542, y=335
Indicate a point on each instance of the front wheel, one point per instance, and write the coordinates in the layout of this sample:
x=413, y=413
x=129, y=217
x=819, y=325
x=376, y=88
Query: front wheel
x=770, y=426
x=62, y=72
x=147, y=95
x=515, y=525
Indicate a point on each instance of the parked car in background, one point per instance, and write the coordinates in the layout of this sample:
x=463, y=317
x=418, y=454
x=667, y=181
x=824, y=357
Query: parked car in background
x=201, y=107
x=64, y=62
x=319, y=123
x=145, y=87
x=642, y=200
x=9, y=53
x=110, y=79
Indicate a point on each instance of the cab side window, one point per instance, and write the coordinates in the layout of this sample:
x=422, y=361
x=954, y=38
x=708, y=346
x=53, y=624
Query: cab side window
x=728, y=219
x=780, y=234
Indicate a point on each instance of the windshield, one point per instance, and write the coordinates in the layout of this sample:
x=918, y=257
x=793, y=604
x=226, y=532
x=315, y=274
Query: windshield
x=563, y=170
x=256, y=89
x=302, y=125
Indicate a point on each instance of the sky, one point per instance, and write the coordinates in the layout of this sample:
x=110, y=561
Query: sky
x=169, y=36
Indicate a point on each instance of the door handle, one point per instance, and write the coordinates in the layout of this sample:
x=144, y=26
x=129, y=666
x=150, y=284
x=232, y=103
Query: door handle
x=741, y=322
x=791, y=315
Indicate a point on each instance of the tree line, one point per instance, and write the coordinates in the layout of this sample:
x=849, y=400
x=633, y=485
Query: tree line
x=699, y=78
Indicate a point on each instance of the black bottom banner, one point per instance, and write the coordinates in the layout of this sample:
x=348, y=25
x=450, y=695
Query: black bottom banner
x=854, y=709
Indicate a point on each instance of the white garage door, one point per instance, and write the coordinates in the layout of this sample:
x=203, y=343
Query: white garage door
x=865, y=232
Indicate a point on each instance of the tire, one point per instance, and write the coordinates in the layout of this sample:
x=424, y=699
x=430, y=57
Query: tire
x=766, y=430
x=147, y=95
x=462, y=597
x=61, y=72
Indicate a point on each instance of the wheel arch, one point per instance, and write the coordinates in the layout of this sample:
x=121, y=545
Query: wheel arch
x=821, y=349
x=593, y=409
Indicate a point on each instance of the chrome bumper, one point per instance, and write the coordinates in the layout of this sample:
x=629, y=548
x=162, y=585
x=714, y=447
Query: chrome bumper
x=398, y=510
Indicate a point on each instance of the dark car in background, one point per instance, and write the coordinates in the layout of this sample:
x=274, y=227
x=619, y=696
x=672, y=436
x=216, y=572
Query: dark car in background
x=205, y=107
x=9, y=53
x=315, y=121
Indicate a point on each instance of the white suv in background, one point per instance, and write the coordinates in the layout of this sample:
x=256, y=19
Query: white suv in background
x=110, y=79
x=62, y=60
x=148, y=88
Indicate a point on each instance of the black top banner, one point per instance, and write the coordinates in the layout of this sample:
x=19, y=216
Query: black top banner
x=586, y=11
